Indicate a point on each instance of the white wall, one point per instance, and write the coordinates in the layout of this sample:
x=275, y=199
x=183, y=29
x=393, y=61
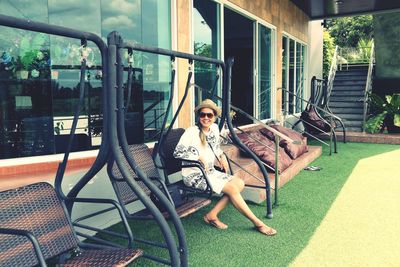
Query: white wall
x=315, y=51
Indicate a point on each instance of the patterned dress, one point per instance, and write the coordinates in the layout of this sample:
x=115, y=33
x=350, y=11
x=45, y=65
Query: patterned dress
x=190, y=147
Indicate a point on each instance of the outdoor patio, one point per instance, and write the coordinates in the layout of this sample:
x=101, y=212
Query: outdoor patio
x=344, y=215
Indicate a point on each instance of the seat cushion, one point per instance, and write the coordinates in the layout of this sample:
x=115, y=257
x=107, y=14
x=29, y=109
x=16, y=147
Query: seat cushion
x=293, y=150
x=106, y=257
x=265, y=150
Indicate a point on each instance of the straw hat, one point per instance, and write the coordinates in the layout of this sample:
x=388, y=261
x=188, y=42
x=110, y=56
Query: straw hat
x=208, y=103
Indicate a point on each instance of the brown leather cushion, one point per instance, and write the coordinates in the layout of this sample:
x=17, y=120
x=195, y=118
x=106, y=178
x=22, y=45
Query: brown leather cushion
x=313, y=122
x=264, y=149
x=293, y=150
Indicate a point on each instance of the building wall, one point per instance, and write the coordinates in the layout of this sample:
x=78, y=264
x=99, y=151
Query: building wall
x=282, y=14
x=315, y=51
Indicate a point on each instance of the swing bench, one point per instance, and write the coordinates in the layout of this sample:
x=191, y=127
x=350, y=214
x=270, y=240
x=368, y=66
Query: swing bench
x=316, y=117
x=35, y=228
x=156, y=165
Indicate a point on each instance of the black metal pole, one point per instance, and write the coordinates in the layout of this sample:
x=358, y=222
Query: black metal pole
x=227, y=101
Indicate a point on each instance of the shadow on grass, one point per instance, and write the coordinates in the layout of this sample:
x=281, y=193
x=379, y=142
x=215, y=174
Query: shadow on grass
x=304, y=201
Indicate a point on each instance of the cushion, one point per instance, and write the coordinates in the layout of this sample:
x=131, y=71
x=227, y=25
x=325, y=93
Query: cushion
x=293, y=150
x=264, y=149
x=313, y=122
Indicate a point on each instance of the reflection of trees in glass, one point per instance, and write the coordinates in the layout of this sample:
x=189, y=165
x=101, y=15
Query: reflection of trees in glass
x=205, y=50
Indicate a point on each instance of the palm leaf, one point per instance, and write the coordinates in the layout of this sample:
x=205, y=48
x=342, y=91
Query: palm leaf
x=376, y=102
x=396, y=120
x=375, y=123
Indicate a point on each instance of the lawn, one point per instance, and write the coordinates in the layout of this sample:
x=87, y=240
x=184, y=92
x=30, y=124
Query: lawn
x=304, y=201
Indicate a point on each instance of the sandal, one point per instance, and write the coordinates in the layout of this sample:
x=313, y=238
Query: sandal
x=215, y=223
x=265, y=230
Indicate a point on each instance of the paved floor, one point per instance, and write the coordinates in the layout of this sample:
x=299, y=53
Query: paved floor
x=362, y=228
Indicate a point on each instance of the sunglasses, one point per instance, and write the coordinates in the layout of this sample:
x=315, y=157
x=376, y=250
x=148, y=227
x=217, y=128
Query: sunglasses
x=208, y=115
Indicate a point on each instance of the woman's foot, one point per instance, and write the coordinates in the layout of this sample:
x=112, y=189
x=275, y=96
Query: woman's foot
x=215, y=222
x=265, y=230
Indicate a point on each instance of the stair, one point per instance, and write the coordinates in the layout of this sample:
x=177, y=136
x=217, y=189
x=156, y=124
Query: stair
x=347, y=96
x=258, y=195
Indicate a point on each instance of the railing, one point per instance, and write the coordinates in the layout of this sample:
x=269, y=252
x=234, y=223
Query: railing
x=332, y=71
x=368, y=85
x=359, y=55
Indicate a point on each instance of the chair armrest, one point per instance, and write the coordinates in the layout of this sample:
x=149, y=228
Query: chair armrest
x=32, y=238
x=105, y=201
x=197, y=164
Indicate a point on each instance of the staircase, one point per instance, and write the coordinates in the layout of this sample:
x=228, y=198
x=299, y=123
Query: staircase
x=347, y=96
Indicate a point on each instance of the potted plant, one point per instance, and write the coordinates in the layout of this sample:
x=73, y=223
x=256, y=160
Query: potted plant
x=386, y=114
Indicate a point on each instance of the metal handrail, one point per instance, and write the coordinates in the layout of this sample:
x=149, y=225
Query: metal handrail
x=332, y=71
x=368, y=85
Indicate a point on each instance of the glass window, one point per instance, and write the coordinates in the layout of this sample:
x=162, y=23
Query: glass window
x=264, y=72
x=40, y=74
x=293, y=75
x=285, y=73
x=299, y=76
x=206, y=28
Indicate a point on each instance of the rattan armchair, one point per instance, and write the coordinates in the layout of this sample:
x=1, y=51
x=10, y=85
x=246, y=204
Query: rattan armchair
x=36, y=230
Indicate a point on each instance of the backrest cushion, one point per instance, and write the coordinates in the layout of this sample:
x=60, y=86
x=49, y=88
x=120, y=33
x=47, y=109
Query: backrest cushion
x=265, y=149
x=313, y=122
x=293, y=150
x=171, y=163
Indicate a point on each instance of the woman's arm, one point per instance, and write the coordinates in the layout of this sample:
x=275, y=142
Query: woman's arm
x=186, y=147
x=224, y=162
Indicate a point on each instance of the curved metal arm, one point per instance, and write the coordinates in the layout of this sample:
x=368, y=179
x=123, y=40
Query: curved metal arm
x=197, y=164
x=226, y=109
x=63, y=165
x=118, y=140
x=32, y=238
x=309, y=103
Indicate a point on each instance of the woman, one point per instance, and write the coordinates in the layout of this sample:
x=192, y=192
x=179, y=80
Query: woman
x=201, y=143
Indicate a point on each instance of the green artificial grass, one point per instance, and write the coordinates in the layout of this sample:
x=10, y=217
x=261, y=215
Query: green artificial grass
x=303, y=203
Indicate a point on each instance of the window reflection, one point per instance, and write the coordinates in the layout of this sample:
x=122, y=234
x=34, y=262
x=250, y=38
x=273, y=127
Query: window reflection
x=293, y=71
x=40, y=74
x=264, y=77
x=206, y=43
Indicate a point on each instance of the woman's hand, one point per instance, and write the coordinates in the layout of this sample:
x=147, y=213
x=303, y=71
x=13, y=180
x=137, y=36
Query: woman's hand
x=224, y=163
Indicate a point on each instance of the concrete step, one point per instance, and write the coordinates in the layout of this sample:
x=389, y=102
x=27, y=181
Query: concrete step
x=347, y=104
x=347, y=83
x=341, y=98
x=350, y=78
x=350, y=116
x=346, y=110
x=359, y=93
x=357, y=72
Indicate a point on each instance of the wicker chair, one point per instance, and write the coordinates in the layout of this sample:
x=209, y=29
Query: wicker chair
x=35, y=230
x=142, y=155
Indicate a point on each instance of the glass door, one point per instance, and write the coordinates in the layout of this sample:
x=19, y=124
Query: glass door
x=239, y=44
x=264, y=72
x=206, y=35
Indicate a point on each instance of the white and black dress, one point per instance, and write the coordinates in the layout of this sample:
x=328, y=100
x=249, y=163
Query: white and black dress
x=190, y=147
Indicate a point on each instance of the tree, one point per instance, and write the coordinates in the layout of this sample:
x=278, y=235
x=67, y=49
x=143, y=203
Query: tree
x=328, y=51
x=348, y=31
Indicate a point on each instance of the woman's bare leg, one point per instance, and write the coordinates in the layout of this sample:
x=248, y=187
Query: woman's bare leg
x=222, y=203
x=233, y=189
